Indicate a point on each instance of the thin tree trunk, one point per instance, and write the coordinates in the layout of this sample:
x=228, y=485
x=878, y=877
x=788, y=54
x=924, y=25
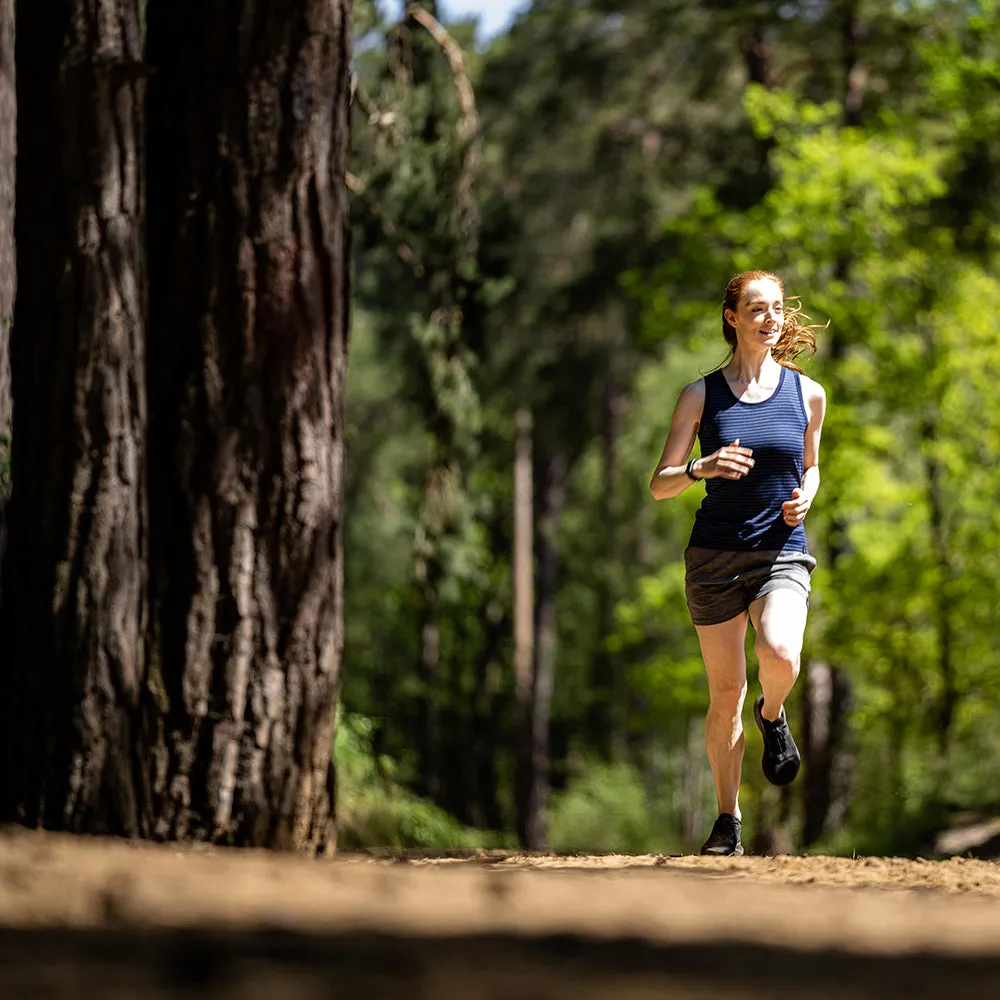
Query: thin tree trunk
x=693, y=783
x=249, y=303
x=486, y=810
x=606, y=690
x=523, y=619
x=828, y=689
x=428, y=710
x=824, y=740
x=853, y=31
x=533, y=824
x=495, y=622
x=74, y=573
x=757, y=57
x=941, y=542
x=523, y=560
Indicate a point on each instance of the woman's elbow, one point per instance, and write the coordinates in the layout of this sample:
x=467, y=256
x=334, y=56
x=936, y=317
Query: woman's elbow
x=659, y=488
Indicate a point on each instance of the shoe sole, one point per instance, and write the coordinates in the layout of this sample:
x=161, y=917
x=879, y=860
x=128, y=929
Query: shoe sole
x=737, y=853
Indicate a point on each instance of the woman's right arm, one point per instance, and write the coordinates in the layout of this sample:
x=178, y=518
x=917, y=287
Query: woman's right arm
x=670, y=479
x=730, y=461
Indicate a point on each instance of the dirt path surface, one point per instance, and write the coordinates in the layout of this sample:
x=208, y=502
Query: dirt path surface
x=86, y=918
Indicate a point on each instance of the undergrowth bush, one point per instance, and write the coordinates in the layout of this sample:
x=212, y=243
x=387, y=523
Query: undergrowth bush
x=606, y=810
x=373, y=811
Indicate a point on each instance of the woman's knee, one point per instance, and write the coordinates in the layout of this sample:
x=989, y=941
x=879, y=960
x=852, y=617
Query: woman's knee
x=727, y=699
x=778, y=655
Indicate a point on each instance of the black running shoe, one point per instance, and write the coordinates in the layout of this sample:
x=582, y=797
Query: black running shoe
x=781, y=760
x=725, y=837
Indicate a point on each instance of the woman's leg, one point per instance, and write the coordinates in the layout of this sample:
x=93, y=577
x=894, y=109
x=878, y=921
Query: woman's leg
x=780, y=621
x=723, y=651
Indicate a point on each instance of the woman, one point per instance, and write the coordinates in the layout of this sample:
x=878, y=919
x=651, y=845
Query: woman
x=758, y=419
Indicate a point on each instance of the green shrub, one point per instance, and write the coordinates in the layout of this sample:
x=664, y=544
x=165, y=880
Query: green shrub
x=606, y=810
x=373, y=811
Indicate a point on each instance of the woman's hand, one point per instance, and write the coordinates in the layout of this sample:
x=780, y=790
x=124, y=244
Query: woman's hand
x=795, y=510
x=729, y=462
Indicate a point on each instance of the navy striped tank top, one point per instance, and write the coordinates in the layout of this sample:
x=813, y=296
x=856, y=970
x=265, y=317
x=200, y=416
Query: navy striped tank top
x=743, y=514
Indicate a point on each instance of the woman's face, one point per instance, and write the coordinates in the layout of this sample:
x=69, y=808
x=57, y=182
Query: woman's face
x=759, y=315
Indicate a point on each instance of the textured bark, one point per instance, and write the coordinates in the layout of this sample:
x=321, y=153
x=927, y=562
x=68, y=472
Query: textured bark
x=8, y=267
x=249, y=300
x=73, y=575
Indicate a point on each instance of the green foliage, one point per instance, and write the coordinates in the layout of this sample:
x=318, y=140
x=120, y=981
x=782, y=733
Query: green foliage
x=605, y=811
x=374, y=811
x=628, y=169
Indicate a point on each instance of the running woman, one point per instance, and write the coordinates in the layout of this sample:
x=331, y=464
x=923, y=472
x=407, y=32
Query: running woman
x=758, y=419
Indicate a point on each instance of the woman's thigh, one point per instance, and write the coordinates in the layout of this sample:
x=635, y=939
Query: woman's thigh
x=780, y=620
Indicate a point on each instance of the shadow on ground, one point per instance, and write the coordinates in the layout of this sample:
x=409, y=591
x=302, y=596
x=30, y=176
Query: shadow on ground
x=251, y=964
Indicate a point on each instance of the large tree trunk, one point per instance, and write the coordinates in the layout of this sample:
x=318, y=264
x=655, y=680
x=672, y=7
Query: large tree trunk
x=8, y=267
x=73, y=577
x=249, y=302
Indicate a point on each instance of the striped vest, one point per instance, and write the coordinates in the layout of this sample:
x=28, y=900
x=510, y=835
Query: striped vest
x=744, y=514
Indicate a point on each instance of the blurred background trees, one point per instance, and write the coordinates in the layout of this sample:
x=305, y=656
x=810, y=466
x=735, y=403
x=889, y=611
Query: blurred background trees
x=630, y=158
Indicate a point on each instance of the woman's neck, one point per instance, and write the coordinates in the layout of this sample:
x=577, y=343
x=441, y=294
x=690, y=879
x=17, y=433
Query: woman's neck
x=746, y=368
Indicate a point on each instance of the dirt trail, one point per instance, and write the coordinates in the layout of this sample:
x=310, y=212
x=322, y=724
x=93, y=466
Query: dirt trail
x=88, y=918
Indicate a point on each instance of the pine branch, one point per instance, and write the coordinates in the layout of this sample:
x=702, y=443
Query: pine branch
x=469, y=133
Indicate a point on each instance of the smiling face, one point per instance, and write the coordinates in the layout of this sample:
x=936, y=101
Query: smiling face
x=759, y=314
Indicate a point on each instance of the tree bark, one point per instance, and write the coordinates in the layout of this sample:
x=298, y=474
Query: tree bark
x=249, y=307
x=74, y=574
x=8, y=265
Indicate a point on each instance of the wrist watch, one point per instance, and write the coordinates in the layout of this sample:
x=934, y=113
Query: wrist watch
x=689, y=470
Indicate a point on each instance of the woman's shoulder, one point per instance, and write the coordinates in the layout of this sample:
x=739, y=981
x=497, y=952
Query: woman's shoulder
x=813, y=394
x=693, y=394
x=691, y=400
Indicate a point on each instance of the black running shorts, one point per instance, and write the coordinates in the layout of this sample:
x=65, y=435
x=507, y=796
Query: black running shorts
x=721, y=584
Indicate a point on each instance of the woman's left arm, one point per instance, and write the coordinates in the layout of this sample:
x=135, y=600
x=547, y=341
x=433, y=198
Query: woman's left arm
x=796, y=509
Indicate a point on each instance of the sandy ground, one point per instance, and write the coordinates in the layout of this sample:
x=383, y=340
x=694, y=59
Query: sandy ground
x=88, y=918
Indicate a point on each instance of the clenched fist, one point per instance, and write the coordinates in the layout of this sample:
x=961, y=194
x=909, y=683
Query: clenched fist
x=795, y=510
x=730, y=462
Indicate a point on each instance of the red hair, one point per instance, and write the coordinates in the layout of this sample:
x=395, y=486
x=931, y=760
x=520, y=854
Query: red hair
x=796, y=337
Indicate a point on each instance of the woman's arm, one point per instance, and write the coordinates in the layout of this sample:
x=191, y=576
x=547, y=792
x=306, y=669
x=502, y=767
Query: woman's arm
x=670, y=479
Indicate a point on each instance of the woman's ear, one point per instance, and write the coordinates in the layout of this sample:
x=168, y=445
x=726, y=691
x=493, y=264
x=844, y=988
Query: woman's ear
x=730, y=317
